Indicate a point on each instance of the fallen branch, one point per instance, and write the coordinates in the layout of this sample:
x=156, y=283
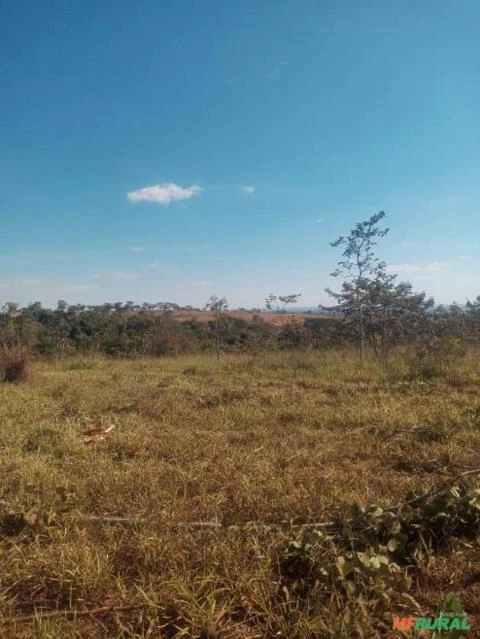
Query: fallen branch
x=139, y=521
x=203, y=525
x=218, y=525
x=74, y=613
x=215, y=525
x=434, y=490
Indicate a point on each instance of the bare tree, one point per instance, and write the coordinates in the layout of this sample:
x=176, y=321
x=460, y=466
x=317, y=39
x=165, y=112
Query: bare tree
x=278, y=304
x=369, y=297
x=217, y=305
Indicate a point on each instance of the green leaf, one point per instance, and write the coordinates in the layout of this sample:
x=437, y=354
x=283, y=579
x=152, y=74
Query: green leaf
x=453, y=603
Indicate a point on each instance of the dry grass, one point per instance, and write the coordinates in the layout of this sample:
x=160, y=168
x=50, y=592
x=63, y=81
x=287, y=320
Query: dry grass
x=195, y=439
x=13, y=364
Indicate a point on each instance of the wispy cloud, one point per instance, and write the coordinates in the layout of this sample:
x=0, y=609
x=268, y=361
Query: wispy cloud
x=15, y=283
x=163, y=193
x=248, y=189
x=428, y=267
x=78, y=287
x=117, y=275
x=319, y=220
x=136, y=249
x=407, y=244
x=121, y=275
x=28, y=283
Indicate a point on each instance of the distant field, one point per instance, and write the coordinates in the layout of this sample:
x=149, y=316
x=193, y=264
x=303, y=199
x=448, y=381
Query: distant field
x=232, y=441
x=278, y=319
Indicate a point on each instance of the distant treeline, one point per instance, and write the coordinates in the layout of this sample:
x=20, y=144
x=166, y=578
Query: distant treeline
x=125, y=330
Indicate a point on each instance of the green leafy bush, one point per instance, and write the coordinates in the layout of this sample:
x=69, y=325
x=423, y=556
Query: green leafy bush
x=373, y=554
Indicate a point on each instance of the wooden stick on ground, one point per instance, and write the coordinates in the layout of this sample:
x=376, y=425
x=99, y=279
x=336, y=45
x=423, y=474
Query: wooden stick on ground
x=217, y=525
x=74, y=613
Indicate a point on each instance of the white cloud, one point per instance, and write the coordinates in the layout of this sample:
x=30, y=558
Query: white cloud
x=319, y=220
x=163, y=193
x=248, y=189
x=136, y=249
x=407, y=244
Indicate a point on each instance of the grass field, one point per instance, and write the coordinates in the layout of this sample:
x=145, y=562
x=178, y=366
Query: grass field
x=231, y=441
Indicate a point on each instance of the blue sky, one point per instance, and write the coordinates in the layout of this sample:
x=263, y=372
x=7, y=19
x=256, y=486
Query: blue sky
x=326, y=111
